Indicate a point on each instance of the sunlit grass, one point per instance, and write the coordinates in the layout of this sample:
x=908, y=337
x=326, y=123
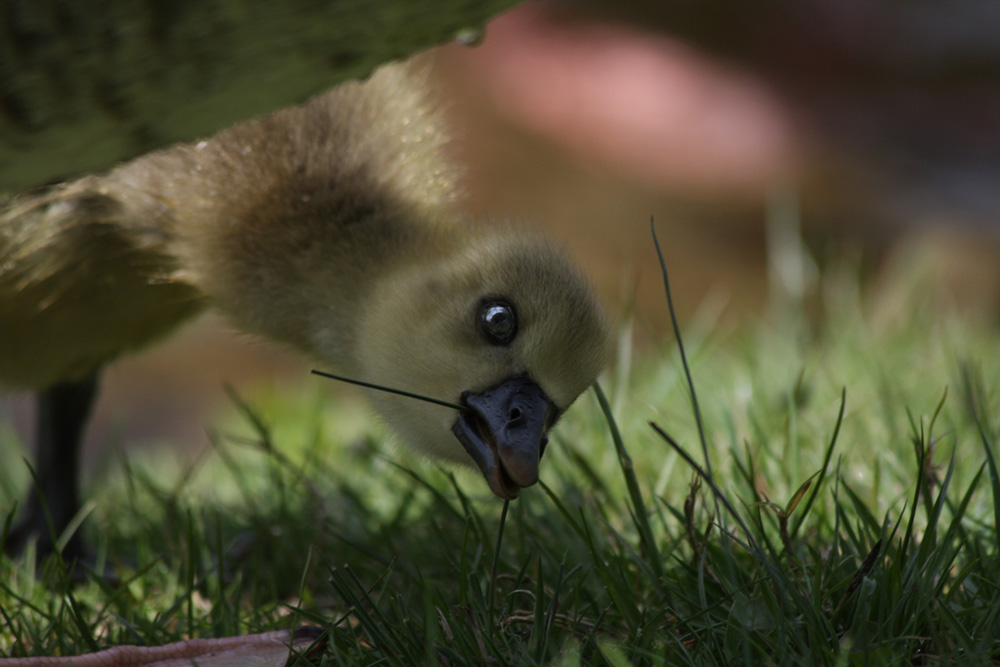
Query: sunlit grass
x=854, y=520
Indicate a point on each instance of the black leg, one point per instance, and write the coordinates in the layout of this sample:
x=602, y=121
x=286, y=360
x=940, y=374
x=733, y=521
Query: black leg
x=63, y=411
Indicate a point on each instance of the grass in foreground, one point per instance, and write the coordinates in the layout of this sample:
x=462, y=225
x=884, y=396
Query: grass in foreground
x=849, y=518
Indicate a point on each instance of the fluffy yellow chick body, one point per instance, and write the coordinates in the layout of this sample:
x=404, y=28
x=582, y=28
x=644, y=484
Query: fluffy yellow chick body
x=329, y=227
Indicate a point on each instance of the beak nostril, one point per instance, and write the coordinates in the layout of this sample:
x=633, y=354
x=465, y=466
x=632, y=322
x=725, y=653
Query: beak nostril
x=505, y=433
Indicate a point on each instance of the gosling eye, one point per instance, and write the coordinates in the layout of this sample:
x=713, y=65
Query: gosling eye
x=497, y=322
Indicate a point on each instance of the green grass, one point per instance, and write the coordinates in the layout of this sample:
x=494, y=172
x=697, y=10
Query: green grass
x=849, y=518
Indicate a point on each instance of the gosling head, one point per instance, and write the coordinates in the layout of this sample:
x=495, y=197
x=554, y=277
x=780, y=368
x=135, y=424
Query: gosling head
x=503, y=325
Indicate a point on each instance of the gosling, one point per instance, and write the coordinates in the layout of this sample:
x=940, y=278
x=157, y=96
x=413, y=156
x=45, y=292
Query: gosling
x=328, y=227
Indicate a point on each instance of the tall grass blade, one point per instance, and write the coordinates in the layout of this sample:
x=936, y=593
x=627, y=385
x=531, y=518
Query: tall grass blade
x=640, y=514
x=680, y=347
x=716, y=491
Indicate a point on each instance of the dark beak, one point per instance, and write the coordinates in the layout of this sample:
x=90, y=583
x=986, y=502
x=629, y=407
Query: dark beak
x=504, y=433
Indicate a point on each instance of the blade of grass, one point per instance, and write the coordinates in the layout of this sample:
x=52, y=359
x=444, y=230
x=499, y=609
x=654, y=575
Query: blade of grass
x=684, y=359
x=635, y=493
x=822, y=472
x=536, y=640
x=391, y=390
x=970, y=400
x=491, y=594
x=716, y=491
x=192, y=565
x=86, y=632
x=373, y=623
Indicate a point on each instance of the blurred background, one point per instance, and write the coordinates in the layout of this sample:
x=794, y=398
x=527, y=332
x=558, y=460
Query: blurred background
x=771, y=146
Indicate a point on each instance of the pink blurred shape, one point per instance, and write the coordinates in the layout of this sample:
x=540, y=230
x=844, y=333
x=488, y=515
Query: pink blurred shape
x=649, y=106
